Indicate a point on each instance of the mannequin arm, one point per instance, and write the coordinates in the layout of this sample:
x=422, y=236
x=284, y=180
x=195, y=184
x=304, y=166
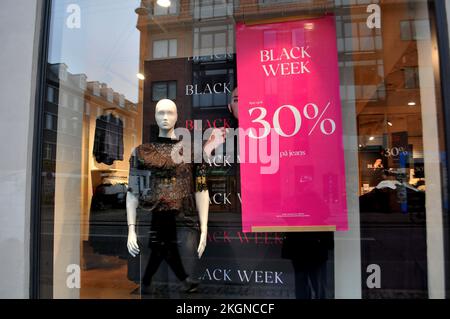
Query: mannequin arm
x=202, y=202
x=132, y=204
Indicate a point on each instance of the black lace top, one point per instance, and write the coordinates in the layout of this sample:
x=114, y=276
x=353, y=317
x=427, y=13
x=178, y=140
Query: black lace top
x=159, y=182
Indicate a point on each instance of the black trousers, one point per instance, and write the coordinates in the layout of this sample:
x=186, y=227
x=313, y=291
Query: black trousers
x=164, y=246
x=311, y=281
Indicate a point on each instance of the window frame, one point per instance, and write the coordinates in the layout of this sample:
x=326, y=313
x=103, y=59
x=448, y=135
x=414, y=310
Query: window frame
x=167, y=55
x=167, y=88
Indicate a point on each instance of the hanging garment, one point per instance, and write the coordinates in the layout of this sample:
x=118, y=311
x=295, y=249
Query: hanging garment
x=108, y=229
x=309, y=252
x=108, y=142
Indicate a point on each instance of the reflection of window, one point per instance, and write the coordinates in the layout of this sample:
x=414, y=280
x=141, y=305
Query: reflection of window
x=96, y=89
x=110, y=95
x=122, y=100
x=83, y=83
x=164, y=49
x=368, y=87
x=48, y=122
x=51, y=94
x=212, y=87
x=212, y=8
x=164, y=90
x=64, y=125
x=63, y=72
x=77, y=104
x=214, y=41
x=356, y=36
x=363, y=92
x=414, y=30
x=406, y=30
x=74, y=127
x=171, y=10
x=47, y=151
x=411, y=78
x=70, y=99
x=64, y=99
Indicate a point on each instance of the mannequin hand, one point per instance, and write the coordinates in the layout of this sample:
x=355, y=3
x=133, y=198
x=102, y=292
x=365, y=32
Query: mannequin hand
x=133, y=247
x=202, y=244
x=216, y=139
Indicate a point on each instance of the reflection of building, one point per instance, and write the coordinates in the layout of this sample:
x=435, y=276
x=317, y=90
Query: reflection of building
x=188, y=49
x=389, y=100
x=191, y=46
x=83, y=102
x=64, y=90
x=188, y=56
x=191, y=51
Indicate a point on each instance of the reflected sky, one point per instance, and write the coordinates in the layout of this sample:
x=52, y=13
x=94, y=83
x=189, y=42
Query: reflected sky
x=105, y=47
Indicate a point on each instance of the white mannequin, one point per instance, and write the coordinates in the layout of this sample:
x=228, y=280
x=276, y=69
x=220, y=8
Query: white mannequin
x=166, y=116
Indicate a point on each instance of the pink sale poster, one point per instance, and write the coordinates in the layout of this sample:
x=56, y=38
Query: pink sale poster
x=291, y=155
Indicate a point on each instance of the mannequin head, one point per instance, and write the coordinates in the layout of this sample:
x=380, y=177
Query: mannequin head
x=233, y=106
x=166, y=116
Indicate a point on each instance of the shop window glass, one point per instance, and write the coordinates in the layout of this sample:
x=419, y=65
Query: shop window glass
x=386, y=110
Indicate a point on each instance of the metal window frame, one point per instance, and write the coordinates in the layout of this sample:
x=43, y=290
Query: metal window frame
x=40, y=100
x=439, y=9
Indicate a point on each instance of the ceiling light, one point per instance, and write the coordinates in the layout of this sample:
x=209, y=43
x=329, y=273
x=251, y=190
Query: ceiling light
x=371, y=138
x=412, y=103
x=164, y=3
x=140, y=76
x=389, y=123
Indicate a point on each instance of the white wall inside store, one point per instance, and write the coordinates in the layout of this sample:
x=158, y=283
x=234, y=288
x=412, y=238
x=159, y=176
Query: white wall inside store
x=19, y=37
